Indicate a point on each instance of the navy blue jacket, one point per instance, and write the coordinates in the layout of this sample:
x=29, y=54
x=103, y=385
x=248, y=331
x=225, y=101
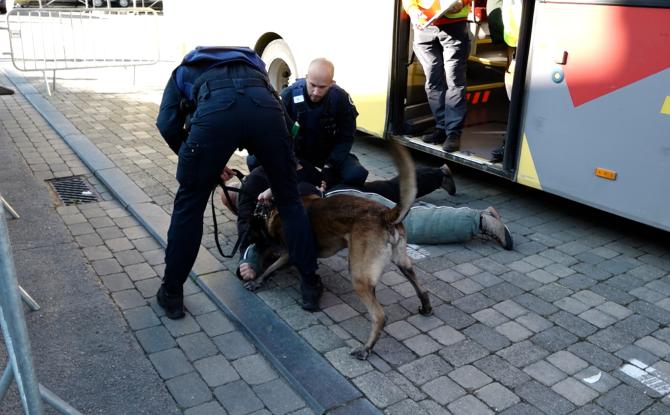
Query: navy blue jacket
x=327, y=128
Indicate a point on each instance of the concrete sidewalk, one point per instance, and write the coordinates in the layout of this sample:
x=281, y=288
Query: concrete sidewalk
x=574, y=320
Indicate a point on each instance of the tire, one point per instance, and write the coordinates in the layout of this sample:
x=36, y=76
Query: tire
x=279, y=63
x=124, y=3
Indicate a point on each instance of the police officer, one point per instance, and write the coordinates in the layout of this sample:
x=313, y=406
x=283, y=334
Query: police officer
x=231, y=106
x=327, y=119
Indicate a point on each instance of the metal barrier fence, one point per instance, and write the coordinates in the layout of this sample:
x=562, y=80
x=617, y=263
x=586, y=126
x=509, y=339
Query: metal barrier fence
x=51, y=39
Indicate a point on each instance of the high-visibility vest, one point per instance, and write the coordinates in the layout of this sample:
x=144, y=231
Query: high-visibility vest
x=511, y=16
x=432, y=7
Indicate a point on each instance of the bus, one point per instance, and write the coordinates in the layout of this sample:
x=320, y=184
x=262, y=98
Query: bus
x=588, y=117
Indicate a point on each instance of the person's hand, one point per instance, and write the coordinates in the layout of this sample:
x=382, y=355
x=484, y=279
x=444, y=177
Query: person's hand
x=323, y=186
x=265, y=197
x=227, y=174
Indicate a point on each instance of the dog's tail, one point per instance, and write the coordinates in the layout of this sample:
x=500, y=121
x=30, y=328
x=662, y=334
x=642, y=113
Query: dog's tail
x=407, y=175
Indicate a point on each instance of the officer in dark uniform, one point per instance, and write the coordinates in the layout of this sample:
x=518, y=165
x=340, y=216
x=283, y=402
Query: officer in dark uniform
x=327, y=119
x=235, y=107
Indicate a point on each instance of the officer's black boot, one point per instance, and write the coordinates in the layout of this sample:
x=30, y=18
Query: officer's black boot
x=173, y=304
x=311, y=293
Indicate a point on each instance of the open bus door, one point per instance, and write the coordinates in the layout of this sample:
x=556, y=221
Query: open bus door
x=491, y=119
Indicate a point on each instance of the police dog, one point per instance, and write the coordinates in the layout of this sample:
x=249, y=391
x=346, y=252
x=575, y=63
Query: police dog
x=374, y=235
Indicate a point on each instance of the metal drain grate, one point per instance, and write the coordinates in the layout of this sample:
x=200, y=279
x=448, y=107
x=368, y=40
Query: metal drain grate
x=73, y=190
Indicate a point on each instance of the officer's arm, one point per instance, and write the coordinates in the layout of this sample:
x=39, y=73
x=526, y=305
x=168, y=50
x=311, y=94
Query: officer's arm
x=346, y=129
x=170, y=120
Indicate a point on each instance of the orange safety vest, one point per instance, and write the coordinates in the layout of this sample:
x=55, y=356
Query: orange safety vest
x=432, y=7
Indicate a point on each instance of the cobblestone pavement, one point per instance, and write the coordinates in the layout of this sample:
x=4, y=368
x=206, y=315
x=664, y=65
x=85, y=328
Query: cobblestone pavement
x=573, y=320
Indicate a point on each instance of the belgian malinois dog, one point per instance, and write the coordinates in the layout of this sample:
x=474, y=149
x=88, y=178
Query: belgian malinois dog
x=373, y=233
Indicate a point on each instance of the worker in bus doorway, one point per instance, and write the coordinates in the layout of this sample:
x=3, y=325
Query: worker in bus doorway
x=326, y=116
x=442, y=48
x=217, y=100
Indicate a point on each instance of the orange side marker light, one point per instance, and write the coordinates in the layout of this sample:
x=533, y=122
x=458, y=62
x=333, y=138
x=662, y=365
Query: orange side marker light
x=606, y=173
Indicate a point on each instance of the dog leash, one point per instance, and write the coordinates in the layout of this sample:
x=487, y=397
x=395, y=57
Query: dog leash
x=226, y=189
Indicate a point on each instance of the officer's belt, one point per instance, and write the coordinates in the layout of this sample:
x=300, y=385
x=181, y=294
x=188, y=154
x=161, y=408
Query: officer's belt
x=215, y=84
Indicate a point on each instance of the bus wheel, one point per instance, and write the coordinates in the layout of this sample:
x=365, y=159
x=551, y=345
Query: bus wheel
x=279, y=63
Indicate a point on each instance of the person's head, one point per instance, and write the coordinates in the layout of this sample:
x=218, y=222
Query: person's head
x=319, y=78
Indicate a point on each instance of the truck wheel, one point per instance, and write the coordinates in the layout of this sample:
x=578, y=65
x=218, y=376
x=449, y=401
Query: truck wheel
x=279, y=63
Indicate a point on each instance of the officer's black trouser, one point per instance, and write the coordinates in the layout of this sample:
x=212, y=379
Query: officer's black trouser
x=428, y=179
x=234, y=111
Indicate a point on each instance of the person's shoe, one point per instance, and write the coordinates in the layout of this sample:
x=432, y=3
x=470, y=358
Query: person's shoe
x=452, y=143
x=491, y=224
x=172, y=304
x=497, y=154
x=311, y=296
x=436, y=137
x=448, y=183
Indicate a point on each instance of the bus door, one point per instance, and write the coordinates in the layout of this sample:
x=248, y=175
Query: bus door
x=488, y=116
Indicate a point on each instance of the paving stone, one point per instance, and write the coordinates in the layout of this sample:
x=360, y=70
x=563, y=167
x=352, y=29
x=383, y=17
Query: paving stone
x=534, y=322
x=469, y=377
x=510, y=309
x=522, y=354
x=422, y=345
x=490, y=317
x=155, y=339
x=633, y=352
x=596, y=379
x=321, y=338
x=234, y=345
x=117, y=282
x=567, y=362
x=552, y=292
x=443, y=390
x=544, y=398
x=380, y=390
x=341, y=312
x=199, y=303
x=170, y=363
x=611, y=339
x=467, y=286
x=536, y=304
x=521, y=281
x=425, y=369
x=181, y=327
x=401, y=330
x=139, y=272
x=501, y=292
x=453, y=316
x=522, y=409
x=502, y=371
x=613, y=294
x=118, y=244
x=575, y=392
x=637, y=325
x=346, y=364
x=406, y=407
x=254, y=369
x=278, y=397
x=657, y=409
x=487, y=337
x=141, y=317
x=462, y=353
x=106, y=267
x=624, y=400
x=412, y=391
x=615, y=310
x=216, y=370
x=572, y=323
x=554, y=339
x=571, y=305
x=209, y=408
x=497, y=396
x=393, y=351
x=238, y=398
x=197, y=345
x=473, y=303
x=595, y=356
x=598, y=318
x=214, y=323
x=651, y=311
x=544, y=372
x=469, y=405
x=189, y=390
x=657, y=347
x=128, y=299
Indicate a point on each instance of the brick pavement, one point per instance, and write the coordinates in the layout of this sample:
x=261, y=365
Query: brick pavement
x=546, y=328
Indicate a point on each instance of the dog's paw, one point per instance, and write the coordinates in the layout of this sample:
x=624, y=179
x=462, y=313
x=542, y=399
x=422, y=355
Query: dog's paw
x=426, y=311
x=360, y=353
x=253, y=285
